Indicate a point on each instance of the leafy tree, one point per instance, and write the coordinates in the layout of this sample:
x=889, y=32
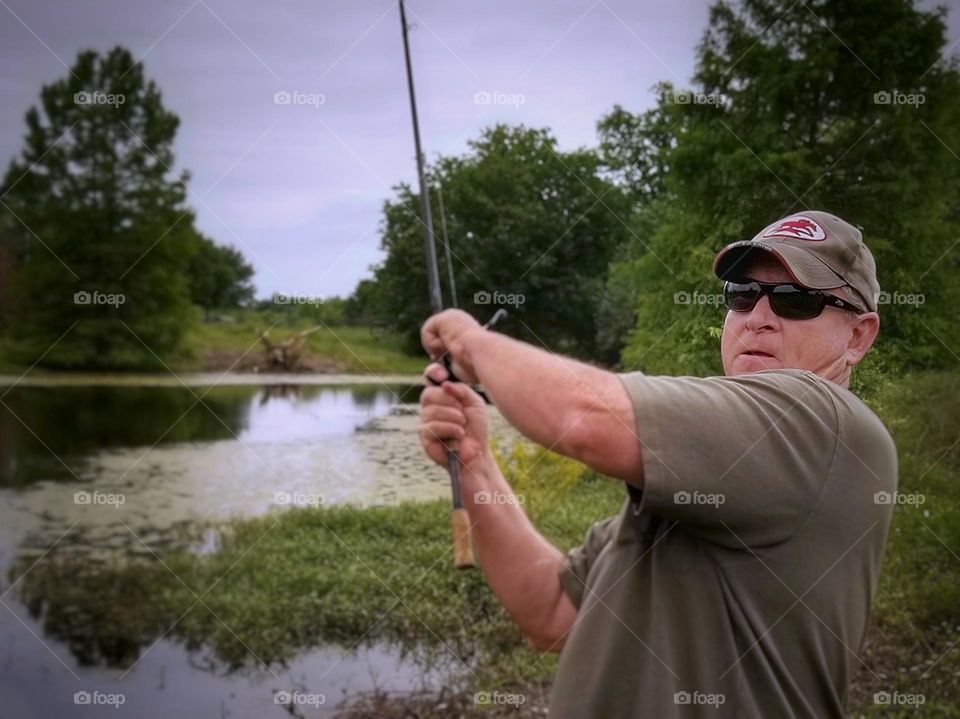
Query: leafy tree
x=219, y=277
x=787, y=116
x=359, y=307
x=6, y=266
x=528, y=224
x=98, y=214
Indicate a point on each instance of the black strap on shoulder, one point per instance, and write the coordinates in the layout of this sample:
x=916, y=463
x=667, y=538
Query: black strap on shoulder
x=645, y=530
x=636, y=496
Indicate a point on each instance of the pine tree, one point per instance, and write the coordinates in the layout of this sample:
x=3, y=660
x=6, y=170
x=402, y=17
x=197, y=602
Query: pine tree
x=101, y=229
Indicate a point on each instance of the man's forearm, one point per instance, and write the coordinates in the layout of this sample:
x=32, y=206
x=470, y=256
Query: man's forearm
x=551, y=399
x=521, y=566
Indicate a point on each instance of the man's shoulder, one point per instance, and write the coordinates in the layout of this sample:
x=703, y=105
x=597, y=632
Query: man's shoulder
x=789, y=388
x=851, y=409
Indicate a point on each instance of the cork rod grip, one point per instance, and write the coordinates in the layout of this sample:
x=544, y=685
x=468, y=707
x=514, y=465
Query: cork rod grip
x=462, y=548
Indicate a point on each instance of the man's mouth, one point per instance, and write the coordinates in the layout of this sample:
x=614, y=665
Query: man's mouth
x=757, y=353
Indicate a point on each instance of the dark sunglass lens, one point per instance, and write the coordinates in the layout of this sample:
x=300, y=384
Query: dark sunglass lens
x=741, y=297
x=796, y=304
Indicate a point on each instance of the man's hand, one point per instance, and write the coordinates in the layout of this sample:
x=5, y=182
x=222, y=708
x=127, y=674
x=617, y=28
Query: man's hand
x=452, y=413
x=444, y=334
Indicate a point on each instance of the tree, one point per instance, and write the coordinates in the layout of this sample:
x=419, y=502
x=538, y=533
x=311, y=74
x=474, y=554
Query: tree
x=101, y=225
x=219, y=277
x=532, y=229
x=843, y=106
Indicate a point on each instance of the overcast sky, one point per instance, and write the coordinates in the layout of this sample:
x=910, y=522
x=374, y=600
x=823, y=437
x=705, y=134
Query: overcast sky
x=298, y=188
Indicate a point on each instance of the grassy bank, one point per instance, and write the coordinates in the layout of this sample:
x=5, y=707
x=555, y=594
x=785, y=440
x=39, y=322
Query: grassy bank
x=339, y=348
x=231, y=342
x=290, y=580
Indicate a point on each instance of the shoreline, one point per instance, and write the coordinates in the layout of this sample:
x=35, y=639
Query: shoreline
x=200, y=379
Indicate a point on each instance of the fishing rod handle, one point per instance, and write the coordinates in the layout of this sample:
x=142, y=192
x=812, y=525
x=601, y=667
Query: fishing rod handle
x=459, y=518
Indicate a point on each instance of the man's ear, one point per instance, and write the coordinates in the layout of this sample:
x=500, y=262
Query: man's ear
x=864, y=332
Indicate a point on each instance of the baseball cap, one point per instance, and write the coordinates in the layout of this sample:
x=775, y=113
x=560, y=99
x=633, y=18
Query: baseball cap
x=819, y=250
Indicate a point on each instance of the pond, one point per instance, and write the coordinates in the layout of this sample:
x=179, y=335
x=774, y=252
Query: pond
x=111, y=469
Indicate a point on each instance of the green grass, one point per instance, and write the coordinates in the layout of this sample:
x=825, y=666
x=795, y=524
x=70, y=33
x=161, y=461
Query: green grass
x=913, y=645
x=233, y=342
x=353, y=349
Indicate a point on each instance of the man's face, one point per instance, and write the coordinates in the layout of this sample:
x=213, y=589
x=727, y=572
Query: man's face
x=828, y=345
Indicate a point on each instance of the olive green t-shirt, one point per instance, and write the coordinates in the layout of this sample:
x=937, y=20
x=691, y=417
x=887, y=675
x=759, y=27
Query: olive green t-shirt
x=740, y=584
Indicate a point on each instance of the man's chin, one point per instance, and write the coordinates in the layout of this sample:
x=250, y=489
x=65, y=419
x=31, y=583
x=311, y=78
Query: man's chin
x=744, y=363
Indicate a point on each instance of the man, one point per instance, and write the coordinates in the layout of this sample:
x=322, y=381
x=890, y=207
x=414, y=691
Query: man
x=737, y=580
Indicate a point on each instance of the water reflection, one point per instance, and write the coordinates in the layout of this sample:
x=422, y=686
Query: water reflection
x=50, y=433
x=173, y=681
x=108, y=610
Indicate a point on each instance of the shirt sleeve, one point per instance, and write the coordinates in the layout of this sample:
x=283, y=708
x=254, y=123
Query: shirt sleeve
x=735, y=460
x=579, y=560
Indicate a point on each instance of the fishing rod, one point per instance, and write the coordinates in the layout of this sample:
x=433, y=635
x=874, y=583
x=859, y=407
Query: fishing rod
x=446, y=246
x=459, y=518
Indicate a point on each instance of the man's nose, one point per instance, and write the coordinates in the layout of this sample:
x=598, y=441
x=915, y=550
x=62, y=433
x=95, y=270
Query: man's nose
x=762, y=316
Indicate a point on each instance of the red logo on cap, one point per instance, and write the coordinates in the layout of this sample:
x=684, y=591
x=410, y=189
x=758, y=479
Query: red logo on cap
x=798, y=227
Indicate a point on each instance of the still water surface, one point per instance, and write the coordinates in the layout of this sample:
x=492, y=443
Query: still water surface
x=109, y=470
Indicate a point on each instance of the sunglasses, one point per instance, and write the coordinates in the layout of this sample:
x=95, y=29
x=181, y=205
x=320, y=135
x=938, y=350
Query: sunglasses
x=792, y=302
